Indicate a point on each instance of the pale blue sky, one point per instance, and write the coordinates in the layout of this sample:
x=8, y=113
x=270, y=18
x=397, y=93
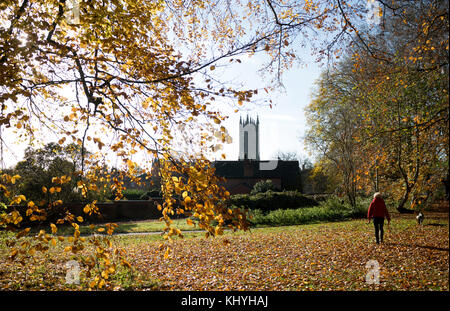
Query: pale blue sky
x=281, y=127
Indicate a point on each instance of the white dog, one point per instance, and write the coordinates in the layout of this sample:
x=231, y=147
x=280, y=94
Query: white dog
x=420, y=218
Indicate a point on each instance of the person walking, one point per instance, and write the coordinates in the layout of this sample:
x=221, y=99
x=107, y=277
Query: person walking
x=378, y=211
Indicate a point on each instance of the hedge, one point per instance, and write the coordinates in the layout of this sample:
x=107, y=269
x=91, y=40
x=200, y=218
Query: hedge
x=271, y=200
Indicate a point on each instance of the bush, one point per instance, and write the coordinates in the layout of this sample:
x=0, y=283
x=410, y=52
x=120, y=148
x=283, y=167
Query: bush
x=270, y=200
x=133, y=194
x=263, y=186
x=320, y=197
x=330, y=210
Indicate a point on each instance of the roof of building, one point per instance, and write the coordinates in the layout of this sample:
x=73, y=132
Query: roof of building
x=255, y=169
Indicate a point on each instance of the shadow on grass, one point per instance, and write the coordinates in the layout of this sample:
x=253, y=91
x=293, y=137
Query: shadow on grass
x=442, y=249
x=436, y=225
x=126, y=227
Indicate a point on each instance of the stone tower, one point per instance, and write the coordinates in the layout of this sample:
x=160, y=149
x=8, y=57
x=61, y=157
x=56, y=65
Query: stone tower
x=249, y=139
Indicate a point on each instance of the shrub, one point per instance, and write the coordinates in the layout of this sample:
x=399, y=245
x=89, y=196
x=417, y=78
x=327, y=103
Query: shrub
x=270, y=200
x=263, y=186
x=330, y=210
x=133, y=194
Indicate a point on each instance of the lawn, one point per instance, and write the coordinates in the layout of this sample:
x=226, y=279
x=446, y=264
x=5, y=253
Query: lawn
x=324, y=256
x=140, y=226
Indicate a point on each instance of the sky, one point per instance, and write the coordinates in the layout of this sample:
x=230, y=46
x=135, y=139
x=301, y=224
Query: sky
x=282, y=126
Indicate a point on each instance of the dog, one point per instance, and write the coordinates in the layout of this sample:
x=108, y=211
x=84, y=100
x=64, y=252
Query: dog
x=420, y=218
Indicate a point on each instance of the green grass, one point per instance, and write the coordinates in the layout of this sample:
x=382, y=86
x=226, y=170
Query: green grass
x=328, y=211
x=129, y=227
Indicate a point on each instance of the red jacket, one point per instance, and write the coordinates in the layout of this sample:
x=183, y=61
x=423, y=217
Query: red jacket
x=378, y=209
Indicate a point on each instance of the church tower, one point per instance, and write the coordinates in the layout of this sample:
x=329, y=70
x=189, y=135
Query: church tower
x=249, y=139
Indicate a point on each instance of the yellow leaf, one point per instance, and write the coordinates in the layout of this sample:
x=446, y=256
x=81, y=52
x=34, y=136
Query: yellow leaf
x=31, y=251
x=54, y=228
x=80, y=219
x=125, y=263
x=105, y=274
x=23, y=233
x=44, y=189
x=167, y=253
x=145, y=104
x=14, y=253
x=218, y=230
x=13, y=179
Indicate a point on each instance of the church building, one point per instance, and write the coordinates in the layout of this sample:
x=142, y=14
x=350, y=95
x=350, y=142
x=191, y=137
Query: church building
x=243, y=174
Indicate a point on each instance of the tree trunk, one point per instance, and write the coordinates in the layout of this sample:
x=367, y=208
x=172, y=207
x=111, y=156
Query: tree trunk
x=400, y=208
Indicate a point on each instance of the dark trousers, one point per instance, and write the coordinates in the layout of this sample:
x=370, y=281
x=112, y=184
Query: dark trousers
x=378, y=222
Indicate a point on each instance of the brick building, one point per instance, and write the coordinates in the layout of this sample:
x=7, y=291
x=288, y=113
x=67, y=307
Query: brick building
x=243, y=174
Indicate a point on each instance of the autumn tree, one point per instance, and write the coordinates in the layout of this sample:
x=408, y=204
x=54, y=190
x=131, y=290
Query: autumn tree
x=399, y=88
x=334, y=121
x=133, y=79
x=407, y=100
x=41, y=165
